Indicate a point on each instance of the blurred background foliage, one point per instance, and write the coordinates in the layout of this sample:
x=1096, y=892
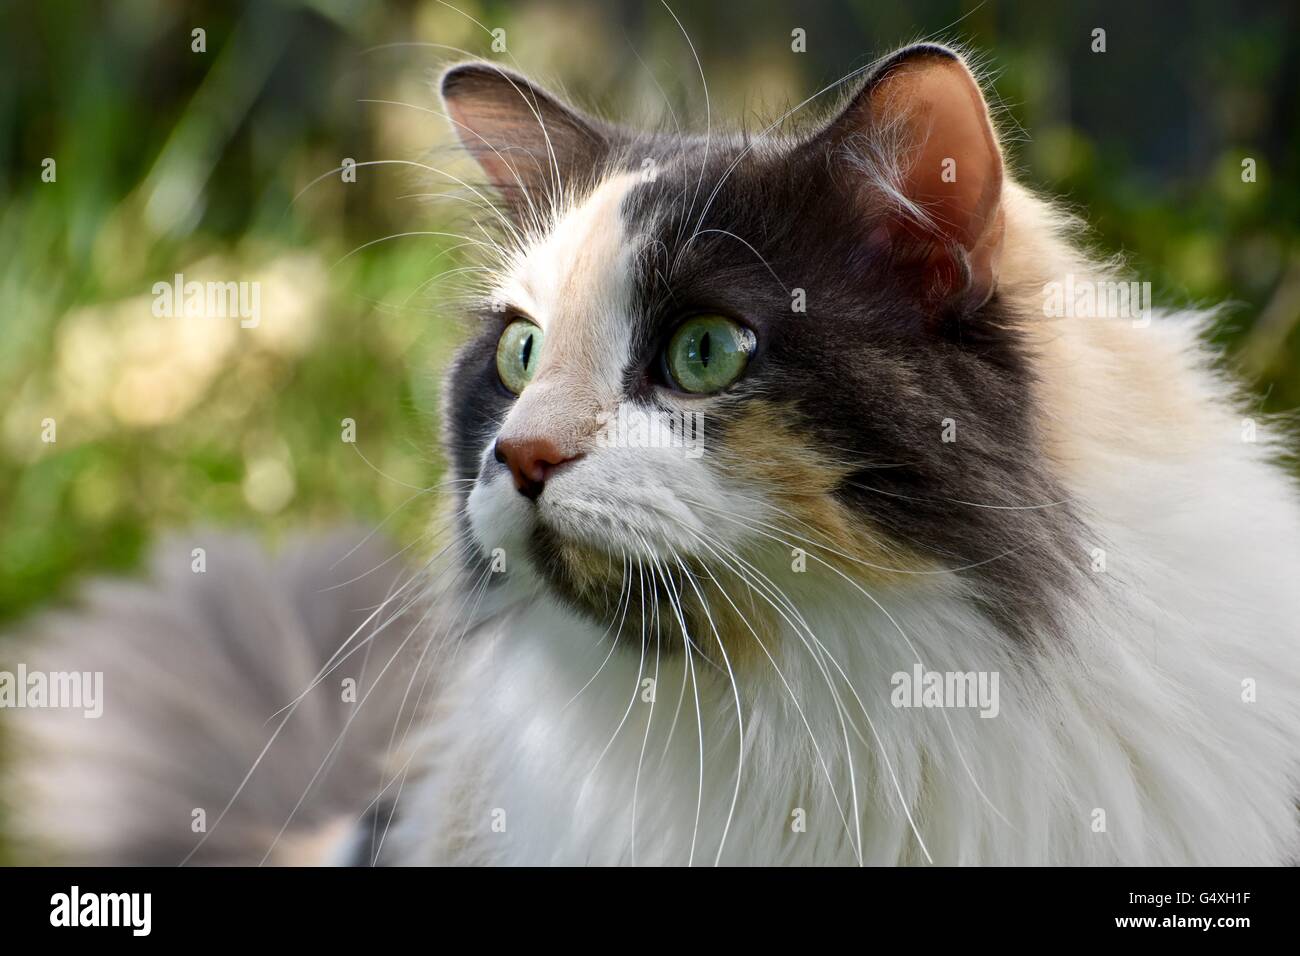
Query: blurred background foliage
x=222, y=165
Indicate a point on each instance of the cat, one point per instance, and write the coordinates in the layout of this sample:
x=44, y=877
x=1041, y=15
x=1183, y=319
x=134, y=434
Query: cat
x=788, y=527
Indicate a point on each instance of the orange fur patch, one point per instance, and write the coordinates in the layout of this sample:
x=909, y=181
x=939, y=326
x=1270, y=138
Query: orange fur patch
x=799, y=481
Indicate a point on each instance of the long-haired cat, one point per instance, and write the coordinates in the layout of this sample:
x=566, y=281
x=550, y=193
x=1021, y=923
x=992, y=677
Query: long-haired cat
x=799, y=517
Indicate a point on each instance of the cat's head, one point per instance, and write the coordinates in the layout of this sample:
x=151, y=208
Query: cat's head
x=712, y=359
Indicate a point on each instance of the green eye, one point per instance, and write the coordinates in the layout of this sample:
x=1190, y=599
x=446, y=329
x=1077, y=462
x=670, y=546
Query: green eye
x=708, y=353
x=517, y=354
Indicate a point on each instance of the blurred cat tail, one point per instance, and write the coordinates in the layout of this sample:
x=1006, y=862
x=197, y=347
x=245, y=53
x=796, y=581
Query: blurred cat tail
x=247, y=702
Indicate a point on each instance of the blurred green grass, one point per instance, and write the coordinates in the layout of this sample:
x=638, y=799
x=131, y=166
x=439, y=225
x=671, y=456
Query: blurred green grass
x=170, y=161
x=173, y=161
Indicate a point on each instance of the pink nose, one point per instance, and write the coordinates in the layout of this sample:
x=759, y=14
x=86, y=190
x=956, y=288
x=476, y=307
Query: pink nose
x=531, y=461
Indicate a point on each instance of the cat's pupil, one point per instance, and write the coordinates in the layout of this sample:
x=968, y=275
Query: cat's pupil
x=705, y=344
x=527, y=351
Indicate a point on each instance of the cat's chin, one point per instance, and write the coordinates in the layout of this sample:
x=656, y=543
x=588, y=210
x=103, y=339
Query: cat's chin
x=651, y=600
x=591, y=560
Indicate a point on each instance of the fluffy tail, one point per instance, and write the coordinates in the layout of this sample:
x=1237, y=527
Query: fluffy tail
x=201, y=754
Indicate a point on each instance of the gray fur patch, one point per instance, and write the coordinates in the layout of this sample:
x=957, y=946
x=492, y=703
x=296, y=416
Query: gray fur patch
x=195, y=667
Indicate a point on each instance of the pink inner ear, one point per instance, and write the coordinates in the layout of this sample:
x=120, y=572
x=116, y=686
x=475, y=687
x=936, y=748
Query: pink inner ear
x=527, y=142
x=491, y=156
x=954, y=174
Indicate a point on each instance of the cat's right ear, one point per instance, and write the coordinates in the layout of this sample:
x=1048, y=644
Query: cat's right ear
x=531, y=146
x=917, y=149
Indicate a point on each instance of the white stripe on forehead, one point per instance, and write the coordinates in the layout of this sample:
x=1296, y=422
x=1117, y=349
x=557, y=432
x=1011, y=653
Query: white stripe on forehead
x=576, y=283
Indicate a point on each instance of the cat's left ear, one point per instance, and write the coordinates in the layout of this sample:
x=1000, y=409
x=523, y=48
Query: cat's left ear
x=928, y=164
x=532, y=146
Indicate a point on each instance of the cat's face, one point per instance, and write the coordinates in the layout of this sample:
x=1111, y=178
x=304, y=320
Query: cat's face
x=709, y=364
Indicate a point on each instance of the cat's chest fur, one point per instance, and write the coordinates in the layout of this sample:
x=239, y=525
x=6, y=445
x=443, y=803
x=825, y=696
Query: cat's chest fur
x=1122, y=747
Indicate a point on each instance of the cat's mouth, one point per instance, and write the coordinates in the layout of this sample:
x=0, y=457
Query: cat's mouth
x=645, y=581
x=637, y=597
x=588, y=550
x=645, y=523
